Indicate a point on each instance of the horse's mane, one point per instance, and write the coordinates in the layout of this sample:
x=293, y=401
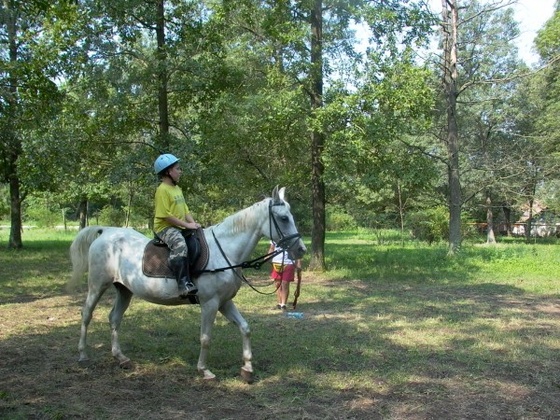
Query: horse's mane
x=239, y=221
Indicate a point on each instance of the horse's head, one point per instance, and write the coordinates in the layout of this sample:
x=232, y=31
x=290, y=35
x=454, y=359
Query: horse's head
x=282, y=227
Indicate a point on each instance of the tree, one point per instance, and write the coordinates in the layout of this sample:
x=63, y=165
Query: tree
x=29, y=95
x=271, y=90
x=132, y=83
x=311, y=55
x=317, y=139
x=480, y=71
x=538, y=158
x=547, y=43
x=491, y=73
x=450, y=27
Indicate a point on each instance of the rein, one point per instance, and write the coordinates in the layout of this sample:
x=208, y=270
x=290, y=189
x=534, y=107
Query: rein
x=259, y=261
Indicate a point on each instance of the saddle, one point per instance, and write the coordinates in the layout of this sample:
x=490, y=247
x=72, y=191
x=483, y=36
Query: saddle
x=156, y=254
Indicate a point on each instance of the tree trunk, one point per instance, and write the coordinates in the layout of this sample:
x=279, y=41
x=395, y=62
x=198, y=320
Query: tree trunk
x=82, y=212
x=15, y=240
x=401, y=211
x=163, y=110
x=529, y=223
x=317, y=261
x=129, y=206
x=14, y=146
x=490, y=238
x=449, y=28
x=507, y=216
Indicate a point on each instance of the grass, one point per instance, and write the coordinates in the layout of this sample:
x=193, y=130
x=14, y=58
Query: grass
x=391, y=331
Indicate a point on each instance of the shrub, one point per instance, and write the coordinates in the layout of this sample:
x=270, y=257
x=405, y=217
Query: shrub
x=111, y=216
x=4, y=202
x=42, y=211
x=338, y=220
x=42, y=216
x=430, y=225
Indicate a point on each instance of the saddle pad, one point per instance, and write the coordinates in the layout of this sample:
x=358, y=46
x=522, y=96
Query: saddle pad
x=154, y=261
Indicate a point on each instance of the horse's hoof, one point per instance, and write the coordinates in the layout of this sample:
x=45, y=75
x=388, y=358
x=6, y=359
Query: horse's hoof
x=207, y=375
x=126, y=364
x=247, y=376
x=84, y=363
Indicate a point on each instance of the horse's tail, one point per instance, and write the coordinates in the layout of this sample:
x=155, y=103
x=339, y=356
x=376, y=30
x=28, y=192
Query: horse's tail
x=79, y=253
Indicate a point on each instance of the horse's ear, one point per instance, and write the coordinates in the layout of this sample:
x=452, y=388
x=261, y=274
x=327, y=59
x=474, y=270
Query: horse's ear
x=278, y=194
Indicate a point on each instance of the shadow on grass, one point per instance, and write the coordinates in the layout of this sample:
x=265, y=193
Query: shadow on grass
x=409, y=340
x=458, y=351
x=38, y=271
x=346, y=359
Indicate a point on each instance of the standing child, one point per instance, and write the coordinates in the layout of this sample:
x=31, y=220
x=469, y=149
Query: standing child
x=283, y=273
x=171, y=217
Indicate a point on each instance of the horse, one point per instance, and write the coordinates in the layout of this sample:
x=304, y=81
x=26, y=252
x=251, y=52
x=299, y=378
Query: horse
x=113, y=256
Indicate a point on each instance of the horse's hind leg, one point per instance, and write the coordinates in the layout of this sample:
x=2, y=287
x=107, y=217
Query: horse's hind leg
x=230, y=311
x=93, y=296
x=115, y=317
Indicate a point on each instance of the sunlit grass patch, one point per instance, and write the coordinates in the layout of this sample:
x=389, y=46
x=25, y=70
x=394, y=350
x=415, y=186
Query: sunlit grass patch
x=390, y=331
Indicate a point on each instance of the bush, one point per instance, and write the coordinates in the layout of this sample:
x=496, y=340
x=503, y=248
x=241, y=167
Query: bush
x=339, y=220
x=42, y=217
x=41, y=210
x=111, y=216
x=431, y=225
x=4, y=202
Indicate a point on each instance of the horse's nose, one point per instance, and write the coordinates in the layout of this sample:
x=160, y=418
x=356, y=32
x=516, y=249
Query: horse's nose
x=296, y=252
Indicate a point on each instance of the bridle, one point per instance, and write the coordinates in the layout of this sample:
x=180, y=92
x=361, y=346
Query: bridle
x=259, y=261
x=283, y=239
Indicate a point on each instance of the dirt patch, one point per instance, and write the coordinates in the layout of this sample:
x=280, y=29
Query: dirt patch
x=365, y=349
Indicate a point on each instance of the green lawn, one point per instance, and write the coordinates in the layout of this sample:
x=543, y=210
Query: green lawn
x=391, y=331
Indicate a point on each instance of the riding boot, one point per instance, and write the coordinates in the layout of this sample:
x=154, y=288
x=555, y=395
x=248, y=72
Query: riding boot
x=180, y=267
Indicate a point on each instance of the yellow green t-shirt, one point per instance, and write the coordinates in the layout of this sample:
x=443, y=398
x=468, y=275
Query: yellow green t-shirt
x=169, y=201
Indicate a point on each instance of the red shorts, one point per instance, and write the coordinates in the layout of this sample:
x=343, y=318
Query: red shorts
x=287, y=273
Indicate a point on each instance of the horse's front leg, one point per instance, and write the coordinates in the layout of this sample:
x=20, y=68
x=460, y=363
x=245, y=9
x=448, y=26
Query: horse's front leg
x=230, y=311
x=209, y=310
x=122, y=302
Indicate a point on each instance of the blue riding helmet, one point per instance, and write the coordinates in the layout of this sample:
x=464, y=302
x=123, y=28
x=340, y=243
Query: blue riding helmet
x=164, y=161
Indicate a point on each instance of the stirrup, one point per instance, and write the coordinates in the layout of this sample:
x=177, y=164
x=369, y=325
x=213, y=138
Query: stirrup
x=191, y=288
x=188, y=290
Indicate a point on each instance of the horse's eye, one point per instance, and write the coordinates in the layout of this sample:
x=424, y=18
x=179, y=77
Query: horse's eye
x=284, y=218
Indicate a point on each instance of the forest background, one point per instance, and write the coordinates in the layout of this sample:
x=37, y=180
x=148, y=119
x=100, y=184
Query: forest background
x=251, y=94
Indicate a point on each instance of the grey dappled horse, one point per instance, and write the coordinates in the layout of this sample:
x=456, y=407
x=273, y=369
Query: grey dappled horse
x=114, y=256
